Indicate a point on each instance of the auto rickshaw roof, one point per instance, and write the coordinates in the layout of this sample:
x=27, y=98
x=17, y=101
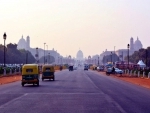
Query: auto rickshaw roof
x=30, y=65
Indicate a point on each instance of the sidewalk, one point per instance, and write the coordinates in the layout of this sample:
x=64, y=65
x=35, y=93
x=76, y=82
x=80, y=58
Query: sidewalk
x=135, y=80
x=9, y=79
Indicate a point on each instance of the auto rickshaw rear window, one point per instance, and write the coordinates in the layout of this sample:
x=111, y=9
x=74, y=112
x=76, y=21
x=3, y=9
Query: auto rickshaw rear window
x=47, y=69
x=29, y=70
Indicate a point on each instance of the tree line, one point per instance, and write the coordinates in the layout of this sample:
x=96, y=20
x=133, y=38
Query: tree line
x=142, y=54
x=15, y=56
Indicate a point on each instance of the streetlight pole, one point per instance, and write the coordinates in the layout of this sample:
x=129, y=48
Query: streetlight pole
x=49, y=58
x=4, y=37
x=114, y=54
x=98, y=60
x=37, y=55
x=128, y=55
x=111, y=57
x=44, y=53
x=146, y=57
x=47, y=54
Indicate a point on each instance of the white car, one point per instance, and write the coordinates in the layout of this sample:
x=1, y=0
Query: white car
x=118, y=71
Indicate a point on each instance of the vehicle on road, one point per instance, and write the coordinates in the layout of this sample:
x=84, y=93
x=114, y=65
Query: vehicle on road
x=48, y=72
x=70, y=68
x=116, y=71
x=30, y=74
x=75, y=68
x=86, y=67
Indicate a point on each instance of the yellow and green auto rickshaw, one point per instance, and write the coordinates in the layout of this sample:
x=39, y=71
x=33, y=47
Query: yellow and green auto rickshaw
x=30, y=74
x=48, y=72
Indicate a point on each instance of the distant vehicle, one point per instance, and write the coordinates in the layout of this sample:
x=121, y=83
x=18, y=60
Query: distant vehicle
x=100, y=68
x=48, y=72
x=70, y=68
x=75, y=68
x=86, y=67
x=118, y=71
x=108, y=71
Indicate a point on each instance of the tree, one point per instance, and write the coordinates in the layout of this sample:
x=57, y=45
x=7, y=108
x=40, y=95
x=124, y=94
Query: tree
x=140, y=55
x=15, y=56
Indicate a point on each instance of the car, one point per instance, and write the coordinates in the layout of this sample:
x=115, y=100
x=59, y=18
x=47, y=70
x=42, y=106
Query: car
x=108, y=71
x=74, y=67
x=86, y=67
x=100, y=68
x=118, y=71
x=70, y=68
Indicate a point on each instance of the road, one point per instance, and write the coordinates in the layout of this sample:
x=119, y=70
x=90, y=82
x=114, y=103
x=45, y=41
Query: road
x=75, y=92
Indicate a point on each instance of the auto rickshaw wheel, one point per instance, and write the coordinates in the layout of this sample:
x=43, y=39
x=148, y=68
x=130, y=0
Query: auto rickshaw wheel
x=22, y=84
x=38, y=83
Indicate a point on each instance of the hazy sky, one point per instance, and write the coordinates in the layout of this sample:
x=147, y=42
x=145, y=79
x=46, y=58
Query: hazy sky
x=67, y=25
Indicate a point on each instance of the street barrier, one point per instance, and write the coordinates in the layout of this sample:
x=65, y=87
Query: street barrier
x=134, y=73
x=138, y=73
x=143, y=74
x=131, y=73
x=149, y=75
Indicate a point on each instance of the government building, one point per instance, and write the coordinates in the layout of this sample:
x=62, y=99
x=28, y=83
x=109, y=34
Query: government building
x=122, y=53
x=25, y=44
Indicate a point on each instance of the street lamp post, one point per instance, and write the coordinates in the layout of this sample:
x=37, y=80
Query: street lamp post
x=47, y=54
x=111, y=57
x=44, y=53
x=4, y=37
x=146, y=57
x=37, y=55
x=98, y=60
x=128, y=54
x=49, y=59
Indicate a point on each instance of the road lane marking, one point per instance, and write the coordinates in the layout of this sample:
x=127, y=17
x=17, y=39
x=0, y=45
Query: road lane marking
x=7, y=103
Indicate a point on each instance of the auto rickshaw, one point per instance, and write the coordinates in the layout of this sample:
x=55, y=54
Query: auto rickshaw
x=30, y=74
x=48, y=72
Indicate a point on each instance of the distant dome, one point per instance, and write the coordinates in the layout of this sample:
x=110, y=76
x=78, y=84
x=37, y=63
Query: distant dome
x=89, y=57
x=137, y=45
x=22, y=43
x=79, y=54
x=22, y=40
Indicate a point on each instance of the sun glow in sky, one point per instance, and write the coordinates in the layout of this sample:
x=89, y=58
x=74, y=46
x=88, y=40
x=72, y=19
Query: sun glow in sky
x=67, y=25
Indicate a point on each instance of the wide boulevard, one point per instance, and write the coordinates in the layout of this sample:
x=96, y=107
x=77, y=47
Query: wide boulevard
x=75, y=91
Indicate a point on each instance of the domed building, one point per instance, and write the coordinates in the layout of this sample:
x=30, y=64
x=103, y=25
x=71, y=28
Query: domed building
x=24, y=44
x=79, y=55
x=79, y=58
x=137, y=45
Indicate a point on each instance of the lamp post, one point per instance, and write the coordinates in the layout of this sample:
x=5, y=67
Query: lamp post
x=44, y=53
x=47, y=54
x=37, y=55
x=98, y=60
x=146, y=57
x=114, y=54
x=111, y=57
x=128, y=54
x=4, y=37
x=49, y=58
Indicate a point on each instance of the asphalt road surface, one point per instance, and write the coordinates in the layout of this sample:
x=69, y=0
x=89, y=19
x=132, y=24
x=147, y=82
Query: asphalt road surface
x=76, y=91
